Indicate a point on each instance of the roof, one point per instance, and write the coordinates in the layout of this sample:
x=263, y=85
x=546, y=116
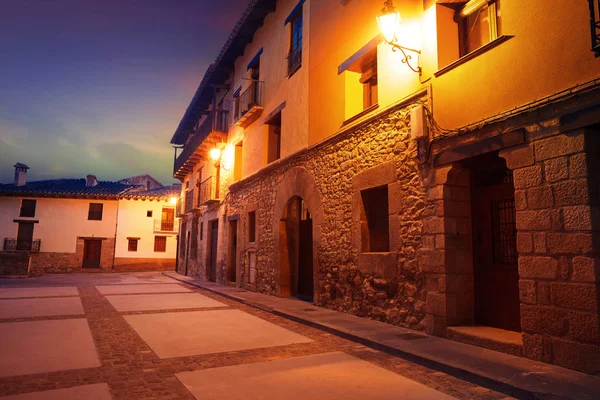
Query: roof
x=135, y=180
x=163, y=193
x=66, y=188
x=217, y=73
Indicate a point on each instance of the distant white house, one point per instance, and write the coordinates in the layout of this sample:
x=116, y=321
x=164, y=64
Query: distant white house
x=66, y=225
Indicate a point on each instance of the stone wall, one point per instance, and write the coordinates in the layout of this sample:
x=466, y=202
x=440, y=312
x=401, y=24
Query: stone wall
x=387, y=287
x=144, y=264
x=14, y=264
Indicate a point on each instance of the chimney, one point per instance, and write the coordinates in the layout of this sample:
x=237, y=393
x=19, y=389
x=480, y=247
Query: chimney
x=91, y=181
x=20, y=174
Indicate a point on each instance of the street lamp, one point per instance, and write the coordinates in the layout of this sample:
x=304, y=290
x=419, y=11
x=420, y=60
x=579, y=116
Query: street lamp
x=215, y=154
x=389, y=24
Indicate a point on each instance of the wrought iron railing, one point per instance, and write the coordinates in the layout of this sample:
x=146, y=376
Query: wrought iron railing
x=595, y=25
x=247, y=99
x=209, y=191
x=165, y=226
x=294, y=60
x=189, y=200
x=11, y=244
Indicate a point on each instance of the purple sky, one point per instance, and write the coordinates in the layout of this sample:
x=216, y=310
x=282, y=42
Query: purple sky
x=98, y=87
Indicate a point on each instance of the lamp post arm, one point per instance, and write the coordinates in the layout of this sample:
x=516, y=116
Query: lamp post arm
x=407, y=57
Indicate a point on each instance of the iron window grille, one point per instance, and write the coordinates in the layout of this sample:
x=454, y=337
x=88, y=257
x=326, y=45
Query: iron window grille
x=11, y=244
x=595, y=25
x=132, y=244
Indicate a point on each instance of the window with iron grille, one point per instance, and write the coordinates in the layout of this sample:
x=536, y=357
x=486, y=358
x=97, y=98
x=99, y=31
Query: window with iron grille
x=160, y=244
x=27, y=208
x=132, y=244
x=252, y=226
x=504, y=232
x=595, y=25
x=295, y=56
x=95, y=212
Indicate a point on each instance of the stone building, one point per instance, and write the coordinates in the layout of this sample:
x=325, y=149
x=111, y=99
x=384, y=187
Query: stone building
x=67, y=225
x=444, y=178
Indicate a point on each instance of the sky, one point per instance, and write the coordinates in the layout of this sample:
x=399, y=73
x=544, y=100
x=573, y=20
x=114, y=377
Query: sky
x=99, y=86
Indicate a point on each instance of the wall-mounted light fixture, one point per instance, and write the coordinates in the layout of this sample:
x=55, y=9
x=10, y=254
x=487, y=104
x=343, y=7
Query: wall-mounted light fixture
x=389, y=24
x=215, y=154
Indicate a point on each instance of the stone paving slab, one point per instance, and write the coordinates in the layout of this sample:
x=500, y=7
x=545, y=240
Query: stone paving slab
x=142, y=288
x=207, y=332
x=43, y=346
x=13, y=293
x=511, y=374
x=98, y=391
x=328, y=376
x=170, y=301
x=31, y=308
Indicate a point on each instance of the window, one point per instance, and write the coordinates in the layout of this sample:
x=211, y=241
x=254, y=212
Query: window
x=95, y=212
x=375, y=205
x=27, y=208
x=194, y=244
x=360, y=81
x=479, y=23
x=274, y=138
x=237, y=163
x=132, y=244
x=295, y=55
x=236, y=104
x=252, y=226
x=201, y=230
x=160, y=244
x=149, y=213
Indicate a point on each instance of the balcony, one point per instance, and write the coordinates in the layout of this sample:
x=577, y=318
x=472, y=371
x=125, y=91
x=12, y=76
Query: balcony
x=165, y=226
x=247, y=105
x=22, y=245
x=189, y=200
x=209, y=191
x=212, y=131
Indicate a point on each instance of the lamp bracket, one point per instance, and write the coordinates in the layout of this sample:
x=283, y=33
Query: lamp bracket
x=388, y=7
x=407, y=57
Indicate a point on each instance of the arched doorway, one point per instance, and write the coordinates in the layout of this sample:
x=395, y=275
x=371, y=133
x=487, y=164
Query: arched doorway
x=296, y=251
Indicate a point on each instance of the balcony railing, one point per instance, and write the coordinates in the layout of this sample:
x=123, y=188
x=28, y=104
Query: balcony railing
x=595, y=25
x=209, y=191
x=189, y=200
x=22, y=245
x=165, y=226
x=247, y=105
x=215, y=122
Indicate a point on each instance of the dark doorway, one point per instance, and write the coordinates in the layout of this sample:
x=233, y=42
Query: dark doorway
x=232, y=263
x=25, y=236
x=496, y=273
x=296, y=249
x=214, y=240
x=92, y=248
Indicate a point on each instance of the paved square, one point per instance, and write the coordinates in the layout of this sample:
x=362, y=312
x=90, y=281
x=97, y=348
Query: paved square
x=206, y=332
x=27, y=308
x=146, y=302
x=98, y=391
x=323, y=376
x=12, y=293
x=44, y=346
x=149, y=288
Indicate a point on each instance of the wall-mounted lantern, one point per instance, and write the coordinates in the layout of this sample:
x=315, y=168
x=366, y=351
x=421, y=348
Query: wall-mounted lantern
x=215, y=154
x=389, y=24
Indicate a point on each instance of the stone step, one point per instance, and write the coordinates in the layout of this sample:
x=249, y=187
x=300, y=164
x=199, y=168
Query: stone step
x=488, y=337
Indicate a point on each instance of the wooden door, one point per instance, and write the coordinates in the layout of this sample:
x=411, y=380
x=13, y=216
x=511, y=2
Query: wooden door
x=25, y=236
x=92, y=248
x=496, y=274
x=305, y=261
x=167, y=219
x=232, y=265
x=214, y=240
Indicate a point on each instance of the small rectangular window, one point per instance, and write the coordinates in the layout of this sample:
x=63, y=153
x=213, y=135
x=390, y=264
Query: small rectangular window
x=132, y=244
x=160, y=244
x=95, y=212
x=295, y=55
x=27, y=208
x=274, y=139
x=479, y=23
x=201, y=230
x=375, y=205
x=149, y=213
x=252, y=226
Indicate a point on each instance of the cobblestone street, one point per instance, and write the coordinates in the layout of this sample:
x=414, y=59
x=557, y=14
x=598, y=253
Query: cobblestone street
x=145, y=336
